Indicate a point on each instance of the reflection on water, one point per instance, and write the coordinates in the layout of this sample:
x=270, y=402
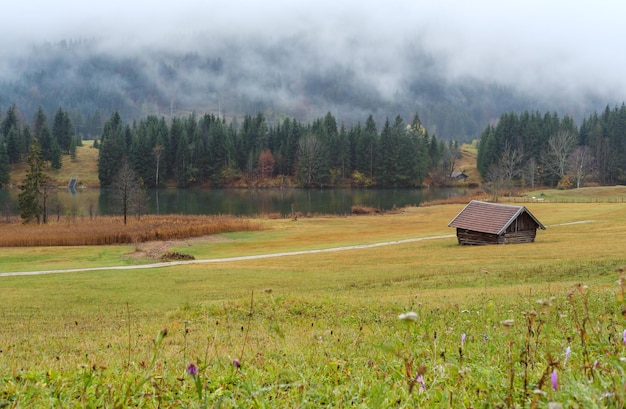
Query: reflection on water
x=243, y=202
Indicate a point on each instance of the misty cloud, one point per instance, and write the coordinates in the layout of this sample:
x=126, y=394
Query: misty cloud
x=365, y=51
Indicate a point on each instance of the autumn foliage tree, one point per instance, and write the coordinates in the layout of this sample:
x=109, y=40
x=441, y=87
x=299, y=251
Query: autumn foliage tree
x=266, y=164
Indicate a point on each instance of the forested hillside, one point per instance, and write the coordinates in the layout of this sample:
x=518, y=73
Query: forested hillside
x=530, y=149
x=209, y=151
x=233, y=78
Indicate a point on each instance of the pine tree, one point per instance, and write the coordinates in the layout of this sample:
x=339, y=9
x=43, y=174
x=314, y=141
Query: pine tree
x=55, y=159
x=35, y=188
x=13, y=141
x=46, y=142
x=62, y=130
x=418, y=137
x=39, y=122
x=369, y=148
x=218, y=153
x=5, y=168
x=386, y=163
x=112, y=150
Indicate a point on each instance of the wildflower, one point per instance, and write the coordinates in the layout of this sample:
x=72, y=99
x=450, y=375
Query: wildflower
x=543, y=302
x=568, y=351
x=408, y=316
x=607, y=395
x=463, y=339
x=555, y=380
x=625, y=336
x=420, y=379
x=192, y=370
x=236, y=363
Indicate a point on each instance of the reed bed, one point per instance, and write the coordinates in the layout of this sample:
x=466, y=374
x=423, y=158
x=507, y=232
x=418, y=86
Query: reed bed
x=111, y=230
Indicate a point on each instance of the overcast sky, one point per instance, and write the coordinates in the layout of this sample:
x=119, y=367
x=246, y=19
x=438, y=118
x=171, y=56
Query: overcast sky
x=548, y=45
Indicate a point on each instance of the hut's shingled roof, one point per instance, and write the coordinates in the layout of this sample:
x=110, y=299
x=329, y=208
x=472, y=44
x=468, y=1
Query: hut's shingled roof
x=492, y=218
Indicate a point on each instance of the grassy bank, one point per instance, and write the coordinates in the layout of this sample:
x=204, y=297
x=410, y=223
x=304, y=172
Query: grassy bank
x=83, y=168
x=323, y=329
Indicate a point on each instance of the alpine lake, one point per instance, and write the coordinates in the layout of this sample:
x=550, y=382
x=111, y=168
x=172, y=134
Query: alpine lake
x=236, y=202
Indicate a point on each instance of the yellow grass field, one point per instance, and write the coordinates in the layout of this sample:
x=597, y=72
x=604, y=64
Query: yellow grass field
x=319, y=328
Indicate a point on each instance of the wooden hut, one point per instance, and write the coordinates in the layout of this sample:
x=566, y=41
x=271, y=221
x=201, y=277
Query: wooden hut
x=458, y=176
x=491, y=223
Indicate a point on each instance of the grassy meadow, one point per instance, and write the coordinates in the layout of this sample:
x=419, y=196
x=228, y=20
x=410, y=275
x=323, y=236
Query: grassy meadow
x=84, y=168
x=415, y=324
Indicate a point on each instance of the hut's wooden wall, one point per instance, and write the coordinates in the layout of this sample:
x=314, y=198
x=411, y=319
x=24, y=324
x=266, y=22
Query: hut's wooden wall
x=522, y=223
x=525, y=236
x=471, y=237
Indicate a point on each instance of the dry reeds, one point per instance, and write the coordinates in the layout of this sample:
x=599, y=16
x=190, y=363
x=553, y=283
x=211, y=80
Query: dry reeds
x=111, y=230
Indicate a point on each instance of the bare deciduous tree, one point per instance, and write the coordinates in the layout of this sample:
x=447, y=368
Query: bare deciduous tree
x=129, y=195
x=510, y=164
x=157, y=151
x=530, y=172
x=580, y=164
x=560, y=146
x=495, y=180
x=311, y=159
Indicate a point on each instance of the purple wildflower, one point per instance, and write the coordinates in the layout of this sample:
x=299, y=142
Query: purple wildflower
x=192, y=370
x=236, y=363
x=555, y=380
x=463, y=339
x=568, y=351
x=625, y=336
x=420, y=379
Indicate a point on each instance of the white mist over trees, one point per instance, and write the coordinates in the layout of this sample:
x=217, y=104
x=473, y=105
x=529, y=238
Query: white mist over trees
x=459, y=66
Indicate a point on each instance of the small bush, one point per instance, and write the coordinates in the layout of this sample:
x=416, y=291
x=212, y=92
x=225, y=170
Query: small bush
x=174, y=255
x=361, y=209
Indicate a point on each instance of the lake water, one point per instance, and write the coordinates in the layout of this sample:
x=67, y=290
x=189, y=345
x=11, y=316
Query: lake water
x=240, y=202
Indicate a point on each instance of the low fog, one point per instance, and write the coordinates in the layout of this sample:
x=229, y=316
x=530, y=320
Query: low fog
x=379, y=58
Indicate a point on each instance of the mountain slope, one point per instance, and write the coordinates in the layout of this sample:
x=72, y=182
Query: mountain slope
x=289, y=77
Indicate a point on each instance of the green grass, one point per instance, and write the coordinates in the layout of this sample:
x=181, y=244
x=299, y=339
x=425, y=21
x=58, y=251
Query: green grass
x=60, y=258
x=584, y=194
x=323, y=329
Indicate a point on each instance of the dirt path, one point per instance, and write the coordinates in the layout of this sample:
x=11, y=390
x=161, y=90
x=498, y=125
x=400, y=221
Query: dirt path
x=223, y=260
x=150, y=248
